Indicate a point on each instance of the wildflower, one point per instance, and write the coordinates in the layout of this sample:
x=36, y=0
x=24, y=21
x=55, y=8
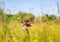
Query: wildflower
x=26, y=24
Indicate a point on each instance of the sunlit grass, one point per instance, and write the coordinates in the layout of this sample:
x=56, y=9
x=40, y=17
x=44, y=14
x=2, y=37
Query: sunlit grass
x=37, y=33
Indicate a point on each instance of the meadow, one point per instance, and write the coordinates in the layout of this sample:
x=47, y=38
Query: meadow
x=43, y=15
x=39, y=32
x=44, y=28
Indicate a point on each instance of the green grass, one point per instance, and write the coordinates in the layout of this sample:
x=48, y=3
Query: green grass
x=37, y=33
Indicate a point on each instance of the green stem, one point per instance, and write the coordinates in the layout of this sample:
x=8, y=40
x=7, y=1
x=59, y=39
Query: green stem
x=28, y=35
